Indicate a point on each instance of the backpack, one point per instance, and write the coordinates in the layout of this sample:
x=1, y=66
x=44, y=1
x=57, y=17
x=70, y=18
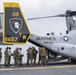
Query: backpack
x=30, y=51
x=43, y=52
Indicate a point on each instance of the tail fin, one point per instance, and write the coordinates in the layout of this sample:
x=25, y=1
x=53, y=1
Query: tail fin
x=15, y=27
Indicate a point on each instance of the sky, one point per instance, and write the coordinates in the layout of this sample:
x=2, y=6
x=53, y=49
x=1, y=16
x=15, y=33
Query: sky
x=41, y=8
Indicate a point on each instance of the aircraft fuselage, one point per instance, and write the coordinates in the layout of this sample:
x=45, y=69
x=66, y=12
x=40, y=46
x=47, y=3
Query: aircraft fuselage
x=63, y=44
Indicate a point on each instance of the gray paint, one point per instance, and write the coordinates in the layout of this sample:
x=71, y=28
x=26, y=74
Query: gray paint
x=8, y=30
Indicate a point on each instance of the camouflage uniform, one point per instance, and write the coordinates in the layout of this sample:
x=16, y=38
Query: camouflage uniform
x=14, y=53
x=0, y=55
x=43, y=55
x=29, y=56
x=20, y=56
x=16, y=57
x=34, y=54
x=39, y=57
x=9, y=55
x=6, y=57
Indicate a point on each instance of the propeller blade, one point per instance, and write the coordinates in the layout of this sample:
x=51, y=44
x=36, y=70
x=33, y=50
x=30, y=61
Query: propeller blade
x=60, y=15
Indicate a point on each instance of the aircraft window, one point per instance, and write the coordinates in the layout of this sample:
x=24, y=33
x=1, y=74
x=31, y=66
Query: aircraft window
x=62, y=48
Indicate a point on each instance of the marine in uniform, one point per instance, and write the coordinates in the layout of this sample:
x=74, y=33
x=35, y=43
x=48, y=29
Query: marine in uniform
x=9, y=52
x=16, y=57
x=29, y=56
x=6, y=56
x=20, y=56
x=39, y=61
x=34, y=54
x=43, y=54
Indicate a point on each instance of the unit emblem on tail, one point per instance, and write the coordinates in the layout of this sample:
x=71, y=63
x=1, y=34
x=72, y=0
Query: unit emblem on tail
x=16, y=24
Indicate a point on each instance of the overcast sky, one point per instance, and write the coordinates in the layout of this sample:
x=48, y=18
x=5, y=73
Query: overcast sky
x=38, y=8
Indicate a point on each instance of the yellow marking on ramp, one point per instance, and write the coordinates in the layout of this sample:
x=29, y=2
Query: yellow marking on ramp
x=36, y=68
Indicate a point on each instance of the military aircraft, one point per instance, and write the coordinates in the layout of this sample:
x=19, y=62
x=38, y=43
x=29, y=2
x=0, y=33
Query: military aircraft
x=64, y=45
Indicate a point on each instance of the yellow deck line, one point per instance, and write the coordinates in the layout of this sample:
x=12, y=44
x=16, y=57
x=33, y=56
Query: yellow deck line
x=36, y=68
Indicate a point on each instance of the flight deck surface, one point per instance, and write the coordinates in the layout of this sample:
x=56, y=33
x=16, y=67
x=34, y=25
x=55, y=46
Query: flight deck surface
x=61, y=68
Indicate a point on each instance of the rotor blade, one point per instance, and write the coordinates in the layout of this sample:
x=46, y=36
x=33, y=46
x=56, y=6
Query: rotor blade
x=60, y=15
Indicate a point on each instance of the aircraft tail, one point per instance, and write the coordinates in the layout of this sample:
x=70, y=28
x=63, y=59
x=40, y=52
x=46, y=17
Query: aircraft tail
x=15, y=27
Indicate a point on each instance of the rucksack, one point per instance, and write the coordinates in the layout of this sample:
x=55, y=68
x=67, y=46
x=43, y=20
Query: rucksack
x=30, y=51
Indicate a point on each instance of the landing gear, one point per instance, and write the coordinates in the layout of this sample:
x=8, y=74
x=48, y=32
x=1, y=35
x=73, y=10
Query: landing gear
x=72, y=60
